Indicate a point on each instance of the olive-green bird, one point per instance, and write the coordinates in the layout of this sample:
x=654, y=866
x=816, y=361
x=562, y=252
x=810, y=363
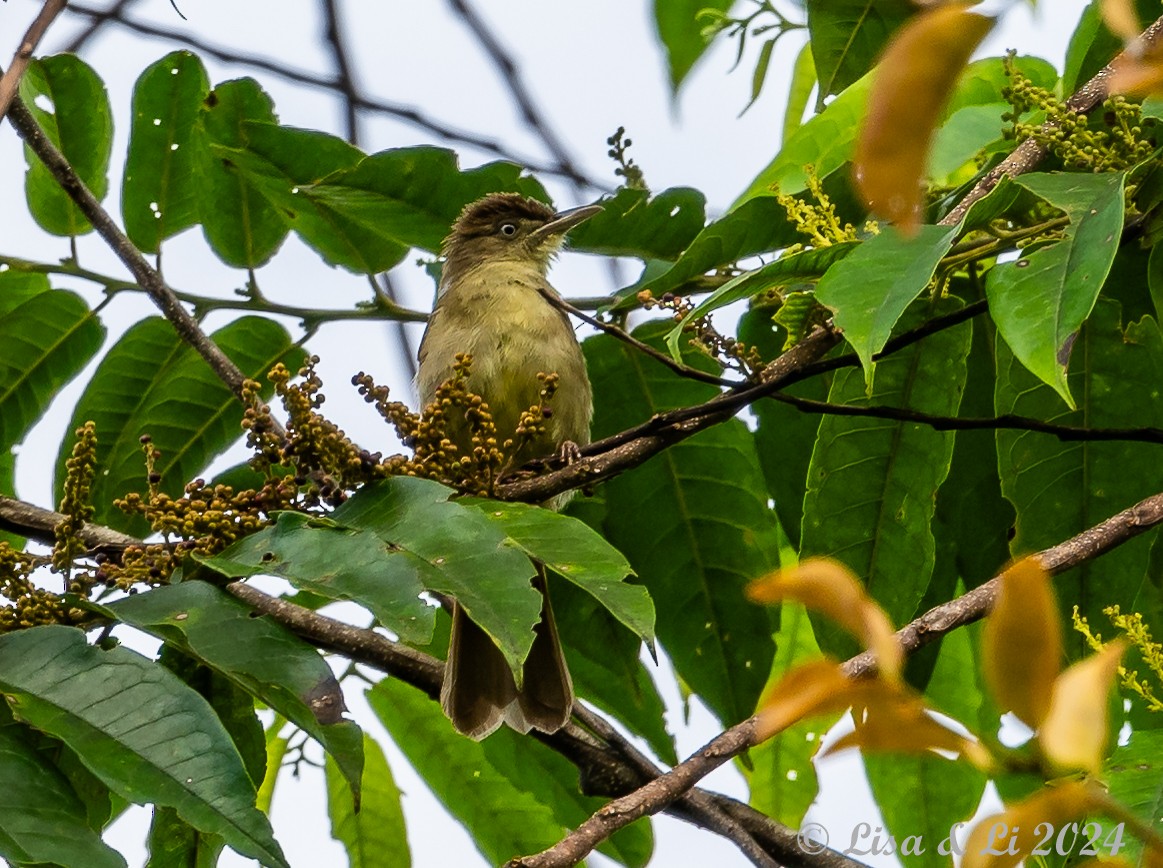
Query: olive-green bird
x=488, y=304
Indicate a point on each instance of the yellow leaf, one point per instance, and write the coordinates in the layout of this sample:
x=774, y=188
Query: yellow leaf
x=831, y=589
x=816, y=687
x=1022, y=642
x=1137, y=75
x=1120, y=18
x=1006, y=838
x=913, y=82
x=1074, y=733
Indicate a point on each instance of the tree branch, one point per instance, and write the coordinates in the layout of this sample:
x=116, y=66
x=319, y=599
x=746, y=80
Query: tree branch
x=10, y=81
x=972, y=606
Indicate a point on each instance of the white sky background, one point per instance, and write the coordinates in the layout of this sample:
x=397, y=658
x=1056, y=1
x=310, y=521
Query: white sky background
x=592, y=66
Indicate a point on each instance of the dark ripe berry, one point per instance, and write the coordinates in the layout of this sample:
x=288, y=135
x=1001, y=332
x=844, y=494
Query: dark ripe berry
x=145, y=438
x=155, y=478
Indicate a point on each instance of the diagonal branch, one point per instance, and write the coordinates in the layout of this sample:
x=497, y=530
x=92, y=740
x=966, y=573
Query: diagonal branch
x=10, y=81
x=661, y=791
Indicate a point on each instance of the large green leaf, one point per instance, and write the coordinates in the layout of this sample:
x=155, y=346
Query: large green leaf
x=159, y=193
x=870, y=289
x=681, y=33
x=847, y=36
x=242, y=228
x=370, y=828
x=464, y=555
x=339, y=563
x=259, y=655
x=634, y=223
x=1134, y=774
x=41, y=817
x=17, y=287
x=514, y=795
x=44, y=343
x=141, y=730
x=1041, y=300
x=69, y=101
x=872, y=482
x=710, y=530
x=1061, y=488
x=152, y=383
x=576, y=553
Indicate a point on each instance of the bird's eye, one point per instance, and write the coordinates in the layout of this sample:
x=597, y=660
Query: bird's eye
x=509, y=229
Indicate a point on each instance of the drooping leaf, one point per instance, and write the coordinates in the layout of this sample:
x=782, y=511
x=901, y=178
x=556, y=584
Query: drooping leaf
x=512, y=794
x=242, y=228
x=374, y=836
x=912, y=84
x=152, y=383
x=870, y=290
x=41, y=818
x=69, y=101
x=1041, y=300
x=44, y=343
x=142, y=731
x=259, y=655
x=576, y=553
x=681, y=35
x=803, y=79
x=847, y=36
x=872, y=482
x=173, y=841
x=338, y=563
x=160, y=188
x=709, y=528
x=1061, y=488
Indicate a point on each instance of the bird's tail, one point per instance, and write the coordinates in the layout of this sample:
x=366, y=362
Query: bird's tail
x=479, y=691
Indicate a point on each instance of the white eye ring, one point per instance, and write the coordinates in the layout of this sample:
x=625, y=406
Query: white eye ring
x=508, y=229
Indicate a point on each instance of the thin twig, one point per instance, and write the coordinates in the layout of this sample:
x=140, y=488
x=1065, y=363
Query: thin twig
x=529, y=111
x=1068, y=433
x=98, y=22
x=10, y=81
x=344, y=79
x=407, y=114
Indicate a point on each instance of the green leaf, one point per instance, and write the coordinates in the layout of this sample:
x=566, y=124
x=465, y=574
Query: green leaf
x=1061, y=488
x=44, y=343
x=1133, y=774
x=69, y=101
x=870, y=289
x=160, y=189
x=957, y=141
x=241, y=227
x=872, y=482
x=172, y=841
x=340, y=563
x=634, y=223
x=1041, y=300
x=576, y=553
x=710, y=530
x=681, y=33
x=512, y=794
x=259, y=655
x=467, y=556
x=152, y=383
x=283, y=164
x=142, y=731
x=373, y=834
x=410, y=196
x=17, y=287
x=41, y=817
x=847, y=36
x=782, y=777
x=803, y=80
x=759, y=75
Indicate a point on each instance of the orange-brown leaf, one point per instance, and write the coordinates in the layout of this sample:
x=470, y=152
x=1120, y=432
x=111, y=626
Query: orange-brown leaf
x=1021, y=823
x=1074, y=733
x=913, y=82
x=830, y=588
x=816, y=687
x=1121, y=18
x=1022, y=642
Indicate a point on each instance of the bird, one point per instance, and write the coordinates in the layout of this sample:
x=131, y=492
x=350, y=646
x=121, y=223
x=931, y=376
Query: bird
x=489, y=305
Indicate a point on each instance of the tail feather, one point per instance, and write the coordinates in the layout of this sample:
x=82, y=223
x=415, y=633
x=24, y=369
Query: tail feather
x=479, y=692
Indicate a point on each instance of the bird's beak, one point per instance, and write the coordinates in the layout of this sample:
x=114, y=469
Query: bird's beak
x=563, y=221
